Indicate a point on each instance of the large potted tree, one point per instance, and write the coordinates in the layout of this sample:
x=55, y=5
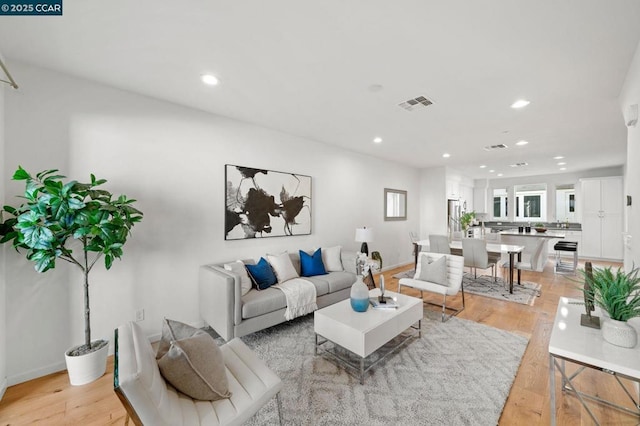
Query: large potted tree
x=79, y=224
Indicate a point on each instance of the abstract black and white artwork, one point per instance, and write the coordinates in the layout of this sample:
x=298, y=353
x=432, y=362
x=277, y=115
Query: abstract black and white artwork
x=262, y=203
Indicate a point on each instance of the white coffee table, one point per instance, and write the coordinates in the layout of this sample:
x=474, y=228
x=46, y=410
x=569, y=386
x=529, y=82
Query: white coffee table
x=362, y=333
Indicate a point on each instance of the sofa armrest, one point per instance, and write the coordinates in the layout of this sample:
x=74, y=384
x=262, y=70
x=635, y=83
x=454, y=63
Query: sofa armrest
x=220, y=299
x=349, y=261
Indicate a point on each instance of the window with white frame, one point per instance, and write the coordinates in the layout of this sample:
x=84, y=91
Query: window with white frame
x=500, y=203
x=531, y=203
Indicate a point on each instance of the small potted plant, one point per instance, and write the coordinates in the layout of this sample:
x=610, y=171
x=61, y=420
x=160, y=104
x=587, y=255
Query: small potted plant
x=540, y=227
x=618, y=294
x=466, y=219
x=55, y=215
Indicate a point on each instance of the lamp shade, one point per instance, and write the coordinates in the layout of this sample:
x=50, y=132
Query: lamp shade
x=364, y=235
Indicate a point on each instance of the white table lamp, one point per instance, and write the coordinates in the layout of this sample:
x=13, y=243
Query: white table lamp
x=364, y=235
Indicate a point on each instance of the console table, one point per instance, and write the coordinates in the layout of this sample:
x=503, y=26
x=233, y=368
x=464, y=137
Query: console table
x=585, y=347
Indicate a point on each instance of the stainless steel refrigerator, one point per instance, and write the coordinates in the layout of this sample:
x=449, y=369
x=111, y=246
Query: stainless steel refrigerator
x=454, y=210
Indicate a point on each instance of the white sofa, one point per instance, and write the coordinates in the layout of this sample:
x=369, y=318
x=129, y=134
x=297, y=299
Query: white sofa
x=230, y=314
x=149, y=400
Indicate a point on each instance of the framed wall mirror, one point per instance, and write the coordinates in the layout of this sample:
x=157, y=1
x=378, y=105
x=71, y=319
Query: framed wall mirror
x=395, y=204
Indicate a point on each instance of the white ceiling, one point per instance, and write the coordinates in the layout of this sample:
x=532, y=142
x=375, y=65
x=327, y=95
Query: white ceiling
x=307, y=68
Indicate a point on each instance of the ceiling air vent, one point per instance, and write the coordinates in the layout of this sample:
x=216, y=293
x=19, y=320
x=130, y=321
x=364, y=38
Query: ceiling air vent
x=492, y=147
x=519, y=164
x=415, y=103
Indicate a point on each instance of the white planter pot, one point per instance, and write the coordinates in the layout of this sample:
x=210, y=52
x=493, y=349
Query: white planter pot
x=619, y=333
x=85, y=369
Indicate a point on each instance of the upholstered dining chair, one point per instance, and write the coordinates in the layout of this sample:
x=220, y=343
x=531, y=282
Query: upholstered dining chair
x=431, y=277
x=439, y=244
x=475, y=256
x=530, y=262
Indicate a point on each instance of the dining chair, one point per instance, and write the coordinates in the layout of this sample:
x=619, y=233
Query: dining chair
x=475, y=255
x=439, y=244
x=448, y=285
x=530, y=262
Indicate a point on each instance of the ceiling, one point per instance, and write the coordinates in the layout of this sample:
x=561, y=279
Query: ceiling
x=335, y=71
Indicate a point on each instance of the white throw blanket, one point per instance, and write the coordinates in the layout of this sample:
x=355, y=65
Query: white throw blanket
x=301, y=297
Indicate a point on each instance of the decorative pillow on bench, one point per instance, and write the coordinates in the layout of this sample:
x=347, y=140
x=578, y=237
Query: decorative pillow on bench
x=192, y=362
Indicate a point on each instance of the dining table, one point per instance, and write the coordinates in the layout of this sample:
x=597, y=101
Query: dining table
x=513, y=250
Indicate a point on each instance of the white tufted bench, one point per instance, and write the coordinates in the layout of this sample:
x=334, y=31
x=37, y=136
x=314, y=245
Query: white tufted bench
x=149, y=400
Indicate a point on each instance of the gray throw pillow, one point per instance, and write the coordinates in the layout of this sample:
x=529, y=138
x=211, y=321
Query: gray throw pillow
x=433, y=271
x=195, y=367
x=174, y=330
x=192, y=362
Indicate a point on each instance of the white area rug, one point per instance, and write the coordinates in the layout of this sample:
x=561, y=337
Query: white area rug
x=525, y=293
x=459, y=373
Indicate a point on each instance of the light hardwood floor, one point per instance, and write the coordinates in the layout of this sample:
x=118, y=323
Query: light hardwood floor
x=52, y=401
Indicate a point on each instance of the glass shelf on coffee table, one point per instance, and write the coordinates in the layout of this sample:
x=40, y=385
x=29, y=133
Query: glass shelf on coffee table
x=358, y=337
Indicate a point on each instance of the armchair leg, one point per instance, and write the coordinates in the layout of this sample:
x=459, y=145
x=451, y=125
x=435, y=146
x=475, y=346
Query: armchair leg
x=454, y=311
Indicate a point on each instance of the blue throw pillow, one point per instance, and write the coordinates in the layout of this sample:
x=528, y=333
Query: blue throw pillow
x=311, y=265
x=261, y=274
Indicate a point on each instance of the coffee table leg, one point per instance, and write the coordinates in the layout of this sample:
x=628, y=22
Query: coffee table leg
x=316, y=349
x=552, y=386
x=362, y=371
x=419, y=328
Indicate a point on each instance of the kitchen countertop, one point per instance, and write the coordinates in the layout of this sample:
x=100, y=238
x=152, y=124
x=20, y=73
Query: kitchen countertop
x=533, y=233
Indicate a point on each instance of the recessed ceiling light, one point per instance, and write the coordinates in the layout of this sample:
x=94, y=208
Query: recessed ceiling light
x=562, y=163
x=499, y=174
x=210, y=79
x=446, y=155
x=482, y=166
x=558, y=157
x=491, y=171
x=563, y=168
x=377, y=140
x=520, y=103
x=522, y=143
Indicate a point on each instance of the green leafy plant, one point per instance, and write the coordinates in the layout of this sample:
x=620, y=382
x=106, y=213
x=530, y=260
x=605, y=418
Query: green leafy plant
x=617, y=293
x=56, y=213
x=538, y=225
x=466, y=219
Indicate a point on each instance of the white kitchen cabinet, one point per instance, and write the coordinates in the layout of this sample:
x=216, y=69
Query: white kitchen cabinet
x=602, y=208
x=453, y=189
x=466, y=196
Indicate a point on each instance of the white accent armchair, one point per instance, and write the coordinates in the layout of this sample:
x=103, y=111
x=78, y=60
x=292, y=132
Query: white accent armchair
x=149, y=400
x=454, y=271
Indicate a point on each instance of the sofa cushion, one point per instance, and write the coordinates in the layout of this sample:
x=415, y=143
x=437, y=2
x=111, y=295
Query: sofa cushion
x=257, y=303
x=332, y=259
x=335, y=281
x=282, y=266
x=261, y=274
x=238, y=268
x=322, y=286
x=311, y=265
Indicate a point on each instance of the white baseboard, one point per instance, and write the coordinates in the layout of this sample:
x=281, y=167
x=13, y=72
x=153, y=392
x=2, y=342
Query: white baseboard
x=34, y=374
x=387, y=268
x=3, y=388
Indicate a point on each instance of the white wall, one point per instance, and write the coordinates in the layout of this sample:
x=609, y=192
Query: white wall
x=172, y=160
x=3, y=318
x=551, y=181
x=630, y=95
x=433, y=202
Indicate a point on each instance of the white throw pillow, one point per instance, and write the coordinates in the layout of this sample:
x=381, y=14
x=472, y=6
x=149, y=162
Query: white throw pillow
x=238, y=268
x=432, y=270
x=331, y=258
x=282, y=266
